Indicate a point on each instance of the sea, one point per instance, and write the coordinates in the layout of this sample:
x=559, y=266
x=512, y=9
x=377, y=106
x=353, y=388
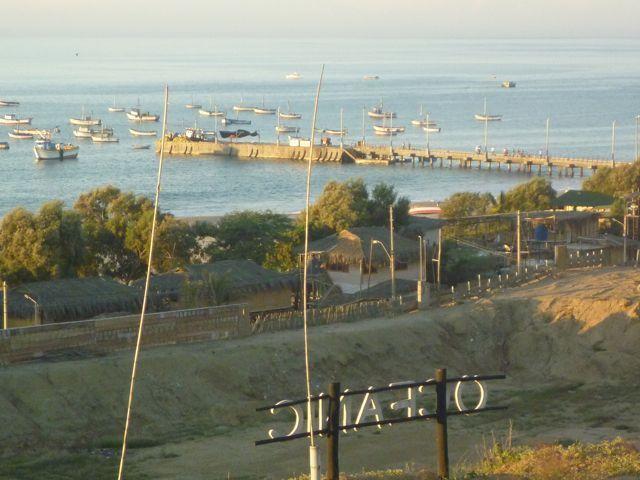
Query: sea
x=582, y=86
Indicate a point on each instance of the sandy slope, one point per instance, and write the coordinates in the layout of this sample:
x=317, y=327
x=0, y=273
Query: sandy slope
x=568, y=345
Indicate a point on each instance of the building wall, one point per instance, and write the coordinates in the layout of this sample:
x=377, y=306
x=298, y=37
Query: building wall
x=349, y=281
x=266, y=299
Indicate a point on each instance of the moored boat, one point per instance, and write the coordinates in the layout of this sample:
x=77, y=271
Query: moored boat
x=235, y=121
x=383, y=129
x=334, y=132
x=4, y=146
x=378, y=112
x=8, y=103
x=12, y=119
x=140, y=147
x=88, y=132
x=242, y=107
x=287, y=129
x=47, y=150
x=114, y=108
x=104, y=138
x=264, y=111
x=192, y=105
x=293, y=76
x=431, y=129
x=508, y=84
x=136, y=115
x=85, y=120
x=142, y=133
x=18, y=135
x=289, y=115
x=487, y=118
x=371, y=77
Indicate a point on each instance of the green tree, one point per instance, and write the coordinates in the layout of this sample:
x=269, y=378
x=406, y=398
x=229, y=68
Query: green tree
x=383, y=196
x=619, y=181
x=248, y=235
x=534, y=195
x=467, y=204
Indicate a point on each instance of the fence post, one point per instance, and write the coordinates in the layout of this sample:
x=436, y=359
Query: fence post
x=333, y=464
x=441, y=423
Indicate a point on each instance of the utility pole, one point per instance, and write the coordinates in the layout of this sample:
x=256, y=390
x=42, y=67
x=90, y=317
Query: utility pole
x=624, y=237
x=519, y=242
x=637, y=138
x=427, y=128
x=392, y=255
x=420, y=271
x=546, y=141
x=486, y=129
x=5, y=308
x=278, y=127
x=439, y=270
x=390, y=133
x=341, y=129
x=364, y=140
x=613, y=142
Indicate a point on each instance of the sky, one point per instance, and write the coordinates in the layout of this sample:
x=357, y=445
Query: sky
x=317, y=18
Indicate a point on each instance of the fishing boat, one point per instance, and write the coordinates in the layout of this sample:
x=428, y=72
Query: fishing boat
x=87, y=132
x=11, y=119
x=213, y=110
x=336, y=133
x=508, y=84
x=421, y=121
x=8, y=103
x=485, y=117
x=287, y=129
x=4, y=145
x=37, y=131
x=371, y=77
x=264, y=110
x=199, y=135
x=137, y=115
x=293, y=76
x=47, y=150
x=378, y=112
x=114, y=108
x=241, y=107
x=104, y=137
x=140, y=147
x=142, y=133
x=192, y=105
x=383, y=129
x=18, y=135
x=85, y=120
x=289, y=115
x=235, y=121
x=431, y=129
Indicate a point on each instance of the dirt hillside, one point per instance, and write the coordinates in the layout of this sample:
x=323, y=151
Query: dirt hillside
x=568, y=346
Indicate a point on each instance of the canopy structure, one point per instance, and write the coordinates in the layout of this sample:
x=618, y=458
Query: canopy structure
x=583, y=199
x=72, y=299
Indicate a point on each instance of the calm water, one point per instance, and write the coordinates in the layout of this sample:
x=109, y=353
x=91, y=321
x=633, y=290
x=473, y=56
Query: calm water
x=582, y=85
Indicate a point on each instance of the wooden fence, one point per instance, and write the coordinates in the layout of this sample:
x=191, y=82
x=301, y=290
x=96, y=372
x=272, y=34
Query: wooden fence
x=99, y=336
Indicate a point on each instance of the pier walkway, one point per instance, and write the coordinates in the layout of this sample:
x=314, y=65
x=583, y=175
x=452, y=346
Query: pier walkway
x=364, y=153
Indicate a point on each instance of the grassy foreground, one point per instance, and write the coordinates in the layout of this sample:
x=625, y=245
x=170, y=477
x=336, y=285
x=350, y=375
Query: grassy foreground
x=578, y=461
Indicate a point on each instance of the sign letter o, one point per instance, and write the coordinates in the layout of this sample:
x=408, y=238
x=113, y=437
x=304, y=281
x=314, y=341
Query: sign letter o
x=482, y=401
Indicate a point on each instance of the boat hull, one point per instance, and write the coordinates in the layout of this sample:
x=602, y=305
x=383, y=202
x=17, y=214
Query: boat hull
x=211, y=113
x=8, y=103
x=85, y=123
x=21, y=136
x=15, y=121
x=264, y=111
x=139, y=133
x=69, y=153
x=488, y=118
x=241, y=108
x=291, y=116
x=115, y=109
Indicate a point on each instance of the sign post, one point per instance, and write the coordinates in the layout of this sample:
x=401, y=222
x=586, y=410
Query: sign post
x=442, y=443
x=333, y=436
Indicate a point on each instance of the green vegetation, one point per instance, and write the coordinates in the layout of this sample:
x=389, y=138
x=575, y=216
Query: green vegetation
x=461, y=264
x=536, y=194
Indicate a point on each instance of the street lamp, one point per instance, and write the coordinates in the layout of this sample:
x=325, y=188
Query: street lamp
x=391, y=264
x=35, y=307
x=637, y=137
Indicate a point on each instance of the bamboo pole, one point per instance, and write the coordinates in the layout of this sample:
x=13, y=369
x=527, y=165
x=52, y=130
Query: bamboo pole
x=5, y=306
x=146, y=290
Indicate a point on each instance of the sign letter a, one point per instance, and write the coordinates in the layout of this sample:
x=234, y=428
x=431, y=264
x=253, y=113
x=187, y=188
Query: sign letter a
x=370, y=407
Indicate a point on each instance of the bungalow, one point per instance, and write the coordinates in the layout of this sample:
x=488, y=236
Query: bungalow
x=225, y=281
x=346, y=257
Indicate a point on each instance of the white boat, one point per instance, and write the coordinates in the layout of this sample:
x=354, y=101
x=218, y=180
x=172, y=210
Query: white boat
x=4, y=146
x=485, y=117
x=140, y=147
x=8, y=103
x=192, y=105
x=136, y=115
x=333, y=132
x=36, y=132
x=383, y=129
x=508, y=84
x=104, y=137
x=114, y=108
x=421, y=121
x=211, y=113
x=18, y=135
x=287, y=129
x=378, y=112
x=88, y=132
x=432, y=129
x=264, y=110
x=47, y=150
x=293, y=76
x=142, y=133
x=385, y=133
x=371, y=77
x=11, y=119
x=241, y=107
x=85, y=120
x=289, y=115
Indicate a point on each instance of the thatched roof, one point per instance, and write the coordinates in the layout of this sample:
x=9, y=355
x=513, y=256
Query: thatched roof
x=243, y=276
x=352, y=246
x=72, y=299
